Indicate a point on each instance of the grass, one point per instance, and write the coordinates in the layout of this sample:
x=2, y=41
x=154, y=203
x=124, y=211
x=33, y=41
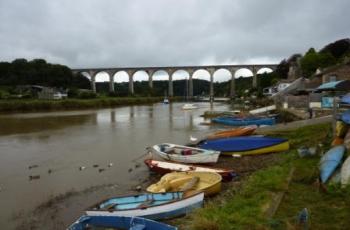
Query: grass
x=31, y=105
x=245, y=206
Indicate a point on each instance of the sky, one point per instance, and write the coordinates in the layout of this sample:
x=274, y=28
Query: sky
x=135, y=33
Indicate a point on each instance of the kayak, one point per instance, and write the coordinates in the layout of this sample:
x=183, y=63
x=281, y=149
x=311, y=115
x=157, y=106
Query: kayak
x=235, y=121
x=330, y=161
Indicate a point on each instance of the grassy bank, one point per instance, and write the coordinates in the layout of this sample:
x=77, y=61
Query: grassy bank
x=32, y=105
x=254, y=202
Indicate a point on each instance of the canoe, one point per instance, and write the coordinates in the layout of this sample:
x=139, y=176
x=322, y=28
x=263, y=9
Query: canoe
x=163, y=167
x=345, y=172
x=330, y=161
x=185, y=154
x=235, y=121
x=208, y=182
x=250, y=145
x=118, y=222
x=149, y=205
x=242, y=131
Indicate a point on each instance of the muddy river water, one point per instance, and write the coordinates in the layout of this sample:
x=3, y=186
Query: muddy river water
x=55, y=146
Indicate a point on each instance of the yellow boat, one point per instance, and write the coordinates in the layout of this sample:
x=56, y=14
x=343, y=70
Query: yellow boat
x=284, y=146
x=208, y=182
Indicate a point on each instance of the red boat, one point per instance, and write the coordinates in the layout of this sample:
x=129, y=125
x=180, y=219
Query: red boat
x=163, y=167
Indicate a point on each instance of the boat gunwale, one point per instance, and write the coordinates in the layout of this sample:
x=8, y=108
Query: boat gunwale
x=196, y=193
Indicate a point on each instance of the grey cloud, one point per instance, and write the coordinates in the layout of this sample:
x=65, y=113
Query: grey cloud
x=156, y=32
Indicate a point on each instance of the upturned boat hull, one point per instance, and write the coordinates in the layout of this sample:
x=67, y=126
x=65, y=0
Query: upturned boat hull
x=330, y=161
x=163, y=167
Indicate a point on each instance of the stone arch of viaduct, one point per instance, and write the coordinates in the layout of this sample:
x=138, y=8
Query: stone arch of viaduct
x=92, y=72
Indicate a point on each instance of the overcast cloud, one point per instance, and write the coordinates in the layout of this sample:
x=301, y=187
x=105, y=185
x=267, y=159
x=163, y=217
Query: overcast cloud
x=104, y=33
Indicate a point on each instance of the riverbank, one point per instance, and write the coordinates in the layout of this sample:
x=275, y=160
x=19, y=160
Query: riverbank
x=273, y=197
x=34, y=105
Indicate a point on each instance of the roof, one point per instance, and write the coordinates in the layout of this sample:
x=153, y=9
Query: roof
x=335, y=86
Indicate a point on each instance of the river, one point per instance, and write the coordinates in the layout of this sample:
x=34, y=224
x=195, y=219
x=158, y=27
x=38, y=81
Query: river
x=55, y=145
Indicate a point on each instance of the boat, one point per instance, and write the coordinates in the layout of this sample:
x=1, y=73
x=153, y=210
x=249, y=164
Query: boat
x=249, y=145
x=185, y=154
x=153, y=206
x=208, y=182
x=189, y=106
x=163, y=167
x=241, y=131
x=166, y=101
x=330, y=161
x=345, y=172
x=118, y=222
x=236, y=121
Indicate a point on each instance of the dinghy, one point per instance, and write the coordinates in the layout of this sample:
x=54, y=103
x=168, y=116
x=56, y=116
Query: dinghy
x=242, y=131
x=345, y=172
x=208, y=182
x=185, y=154
x=149, y=205
x=163, y=167
x=189, y=106
x=118, y=222
x=330, y=161
x=235, y=121
x=251, y=145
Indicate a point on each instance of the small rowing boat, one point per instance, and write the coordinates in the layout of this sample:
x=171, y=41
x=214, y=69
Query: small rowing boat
x=118, y=222
x=163, y=167
x=236, y=121
x=185, y=154
x=149, y=205
x=250, y=145
x=330, y=161
x=208, y=182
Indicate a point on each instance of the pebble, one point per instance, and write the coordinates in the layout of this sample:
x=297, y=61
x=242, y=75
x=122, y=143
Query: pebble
x=95, y=166
x=130, y=169
x=137, y=165
x=110, y=165
x=35, y=177
x=49, y=171
x=82, y=168
x=32, y=166
x=101, y=170
x=138, y=188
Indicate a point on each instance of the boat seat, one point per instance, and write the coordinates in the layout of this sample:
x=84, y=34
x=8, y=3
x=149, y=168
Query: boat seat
x=145, y=204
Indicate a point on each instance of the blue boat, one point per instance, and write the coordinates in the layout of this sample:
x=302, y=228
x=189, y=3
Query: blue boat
x=247, y=145
x=118, y=222
x=236, y=121
x=345, y=116
x=330, y=161
x=153, y=206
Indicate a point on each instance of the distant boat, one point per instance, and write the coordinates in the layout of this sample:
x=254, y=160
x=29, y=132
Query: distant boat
x=330, y=161
x=118, y=222
x=185, y=154
x=208, y=182
x=247, y=145
x=166, y=101
x=163, y=167
x=149, y=205
x=236, y=121
x=189, y=106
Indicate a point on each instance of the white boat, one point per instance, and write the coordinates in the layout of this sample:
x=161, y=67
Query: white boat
x=185, y=154
x=189, y=106
x=166, y=101
x=149, y=205
x=345, y=172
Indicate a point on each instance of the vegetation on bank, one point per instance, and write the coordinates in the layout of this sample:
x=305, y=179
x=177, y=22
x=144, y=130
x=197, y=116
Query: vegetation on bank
x=32, y=105
x=247, y=204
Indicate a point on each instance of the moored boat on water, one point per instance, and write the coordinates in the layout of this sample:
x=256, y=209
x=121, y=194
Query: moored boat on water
x=185, y=154
x=149, y=205
x=118, y=222
x=250, y=145
x=189, y=106
x=236, y=121
x=208, y=182
x=330, y=161
x=163, y=167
